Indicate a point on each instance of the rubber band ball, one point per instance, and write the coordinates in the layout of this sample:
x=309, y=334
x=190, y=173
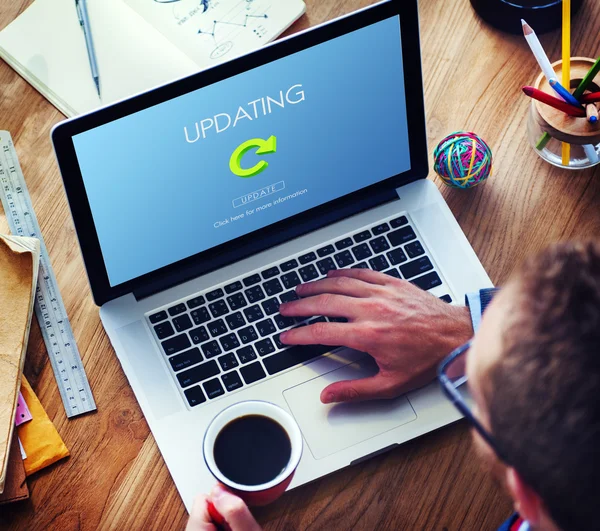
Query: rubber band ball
x=463, y=160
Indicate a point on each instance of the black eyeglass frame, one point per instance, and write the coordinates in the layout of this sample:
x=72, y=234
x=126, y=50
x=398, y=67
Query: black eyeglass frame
x=455, y=397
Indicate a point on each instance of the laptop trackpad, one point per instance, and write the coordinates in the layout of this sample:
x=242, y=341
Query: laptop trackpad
x=329, y=428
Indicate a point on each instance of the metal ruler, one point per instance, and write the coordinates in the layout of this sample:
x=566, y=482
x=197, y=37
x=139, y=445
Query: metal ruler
x=49, y=307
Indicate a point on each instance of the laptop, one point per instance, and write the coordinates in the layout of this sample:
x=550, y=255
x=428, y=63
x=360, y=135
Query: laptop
x=200, y=206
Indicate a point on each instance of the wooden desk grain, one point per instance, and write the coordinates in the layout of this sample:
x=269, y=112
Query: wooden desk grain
x=116, y=479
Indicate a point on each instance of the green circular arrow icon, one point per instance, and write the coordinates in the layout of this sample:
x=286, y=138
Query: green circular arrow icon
x=263, y=147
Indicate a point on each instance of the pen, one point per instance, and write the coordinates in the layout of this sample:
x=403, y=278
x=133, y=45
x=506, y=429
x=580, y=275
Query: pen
x=539, y=95
x=84, y=21
x=564, y=93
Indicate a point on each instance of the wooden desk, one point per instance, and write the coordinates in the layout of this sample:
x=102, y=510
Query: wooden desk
x=116, y=478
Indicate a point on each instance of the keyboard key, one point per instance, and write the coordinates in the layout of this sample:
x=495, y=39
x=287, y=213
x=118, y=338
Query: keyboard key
x=199, y=335
x=270, y=273
x=277, y=339
x=228, y=361
x=393, y=273
x=271, y=306
x=248, y=334
x=200, y=315
x=306, y=258
x=290, y=280
x=398, y=222
x=446, y=298
x=414, y=249
x=236, y=301
x=185, y=359
x=344, y=259
x=362, y=251
x=233, y=287
x=293, y=356
x=266, y=327
x=344, y=244
x=211, y=349
x=251, y=280
x=289, y=296
x=416, y=267
x=213, y=388
x=397, y=256
x=195, y=302
x=163, y=330
x=337, y=320
x=380, y=229
x=216, y=328
x=360, y=265
x=254, y=313
x=264, y=347
x=214, y=294
x=183, y=322
x=253, y=372
x=289, y=265
x=428, y=281
x=400, y=236
x=379, y=263
x=325, y=251
x=317, y=320
x=246, y=354
x=156, y=317
x=177, y=309
x=194, y=396
x=254, y=294
x=232, y=381
x=362, y=236
x=198, y=373
x=283, y=322
x=379, y=244
x=308, y=273
x=175, y=344
x=229, y=342
x=327, y=264
x=235, y=320
x=218, y=308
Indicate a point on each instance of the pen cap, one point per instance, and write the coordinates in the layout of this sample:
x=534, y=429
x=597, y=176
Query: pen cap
x=569, y=129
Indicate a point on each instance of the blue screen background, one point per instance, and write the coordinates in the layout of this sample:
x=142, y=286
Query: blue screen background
x=155, y=198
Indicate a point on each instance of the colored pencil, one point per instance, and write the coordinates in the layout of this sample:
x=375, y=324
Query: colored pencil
x=591, y=112
x=538, y=51
x=566, y=69
x=589, y=77
x=591, y=154
x=546, y=98
x=564, y=93
x=592, y=97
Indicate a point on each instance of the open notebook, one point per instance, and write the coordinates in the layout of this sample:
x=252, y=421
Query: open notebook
x=139, y=44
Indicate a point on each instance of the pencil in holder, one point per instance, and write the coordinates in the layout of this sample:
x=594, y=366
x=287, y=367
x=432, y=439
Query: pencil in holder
x=548, y=128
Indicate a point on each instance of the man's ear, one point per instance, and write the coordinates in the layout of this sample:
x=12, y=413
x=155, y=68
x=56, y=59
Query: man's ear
x=527, y=503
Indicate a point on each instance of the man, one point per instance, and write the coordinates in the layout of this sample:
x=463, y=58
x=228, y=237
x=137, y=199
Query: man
x=533, y=372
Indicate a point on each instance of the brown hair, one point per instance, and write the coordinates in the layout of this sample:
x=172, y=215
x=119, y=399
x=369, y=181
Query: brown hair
x=544, y=393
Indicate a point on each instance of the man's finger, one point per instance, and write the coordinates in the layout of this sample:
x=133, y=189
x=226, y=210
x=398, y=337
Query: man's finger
x=340, y=285
x=332, y=334
x=234, y=510
x=366, y=275
x=199, y=518
x=324, y=304
x=357, y=390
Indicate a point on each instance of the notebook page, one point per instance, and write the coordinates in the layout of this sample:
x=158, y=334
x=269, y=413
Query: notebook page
x=46, y=45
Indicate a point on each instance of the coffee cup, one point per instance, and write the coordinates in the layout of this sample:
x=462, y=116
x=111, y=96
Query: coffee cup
x=253, y=448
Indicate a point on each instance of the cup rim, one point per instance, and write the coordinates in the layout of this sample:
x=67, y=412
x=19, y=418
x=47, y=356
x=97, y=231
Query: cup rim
x=253, y=407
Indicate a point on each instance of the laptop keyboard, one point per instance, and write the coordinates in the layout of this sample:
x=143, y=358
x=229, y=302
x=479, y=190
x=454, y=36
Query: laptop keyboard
x=227, y=338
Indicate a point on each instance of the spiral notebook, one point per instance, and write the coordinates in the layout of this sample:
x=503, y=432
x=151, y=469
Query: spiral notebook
x=139, y=44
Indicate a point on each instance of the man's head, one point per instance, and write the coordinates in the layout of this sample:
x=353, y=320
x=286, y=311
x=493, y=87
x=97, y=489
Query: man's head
x=534, y=372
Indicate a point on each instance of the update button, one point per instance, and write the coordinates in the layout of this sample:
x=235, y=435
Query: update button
x=258, y=194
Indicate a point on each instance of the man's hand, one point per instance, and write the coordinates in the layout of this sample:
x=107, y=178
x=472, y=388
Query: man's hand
x=407, y=330
x=232, y=509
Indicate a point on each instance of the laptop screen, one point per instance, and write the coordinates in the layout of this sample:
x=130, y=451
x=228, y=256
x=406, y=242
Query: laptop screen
x=204, y=168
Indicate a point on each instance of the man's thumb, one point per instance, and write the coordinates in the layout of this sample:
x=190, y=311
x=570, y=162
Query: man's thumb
x=356, y=390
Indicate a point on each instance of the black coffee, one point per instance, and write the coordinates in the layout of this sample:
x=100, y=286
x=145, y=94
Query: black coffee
x=252, y=450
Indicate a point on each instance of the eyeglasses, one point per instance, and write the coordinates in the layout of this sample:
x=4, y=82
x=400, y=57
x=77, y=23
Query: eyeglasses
x=453, y=379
